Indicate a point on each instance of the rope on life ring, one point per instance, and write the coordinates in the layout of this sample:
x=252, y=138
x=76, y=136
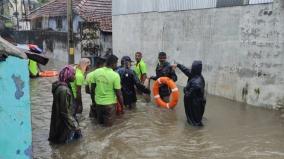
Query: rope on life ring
x=174, y=95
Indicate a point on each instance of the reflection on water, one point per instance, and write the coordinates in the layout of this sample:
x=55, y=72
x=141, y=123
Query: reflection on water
x=232, y=131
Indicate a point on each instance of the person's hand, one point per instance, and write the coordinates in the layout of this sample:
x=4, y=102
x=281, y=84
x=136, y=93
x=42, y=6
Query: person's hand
x=152, y=77
x=78, y=130
x=78, y=134
x=174, y=66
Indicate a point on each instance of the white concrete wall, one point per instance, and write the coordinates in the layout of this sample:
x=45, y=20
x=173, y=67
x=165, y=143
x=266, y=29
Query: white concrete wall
x=60, y=51
x=24, y=25
x=242, y=48
x=51, y=23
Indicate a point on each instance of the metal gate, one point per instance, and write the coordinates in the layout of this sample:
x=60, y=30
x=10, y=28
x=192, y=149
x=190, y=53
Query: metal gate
x=90, y=39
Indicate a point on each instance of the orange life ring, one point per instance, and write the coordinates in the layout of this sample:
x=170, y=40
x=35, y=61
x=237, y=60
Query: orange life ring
x=174, y=95
x=48, y=73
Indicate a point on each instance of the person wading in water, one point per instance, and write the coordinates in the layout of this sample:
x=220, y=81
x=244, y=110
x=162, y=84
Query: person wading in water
x=78, y=83
x=90, y=86
x=194, y=99
x=129, y=81
x=140, y=68
x=107, y=91
x=164, y=69
x=63, y=126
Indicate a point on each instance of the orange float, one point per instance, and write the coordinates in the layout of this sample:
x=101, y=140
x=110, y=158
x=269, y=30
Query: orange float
x=174, y=95
x=48, y=73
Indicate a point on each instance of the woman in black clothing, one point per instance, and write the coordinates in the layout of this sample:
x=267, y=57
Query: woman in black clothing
x=194, y=100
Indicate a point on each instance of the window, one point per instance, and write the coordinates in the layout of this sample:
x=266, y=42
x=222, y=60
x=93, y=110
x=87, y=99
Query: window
x=229, y=3
x=38, y=24
x=58, y=22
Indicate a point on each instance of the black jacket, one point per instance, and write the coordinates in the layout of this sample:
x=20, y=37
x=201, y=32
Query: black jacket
x=128, y=82
x=62, y=123
x=194, y=100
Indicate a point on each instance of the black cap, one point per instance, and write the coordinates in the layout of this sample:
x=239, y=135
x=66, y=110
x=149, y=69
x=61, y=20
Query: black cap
x=126, y=58
x=162, y=54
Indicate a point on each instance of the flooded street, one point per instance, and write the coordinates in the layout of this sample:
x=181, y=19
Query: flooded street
x=232, y=131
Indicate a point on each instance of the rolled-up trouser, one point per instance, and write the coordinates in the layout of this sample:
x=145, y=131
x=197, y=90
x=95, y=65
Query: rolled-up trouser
x=105, y=114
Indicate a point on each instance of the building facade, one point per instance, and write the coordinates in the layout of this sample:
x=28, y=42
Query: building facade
x=52, y=17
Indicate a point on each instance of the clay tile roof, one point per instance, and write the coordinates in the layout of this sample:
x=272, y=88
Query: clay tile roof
x=89, y=10
x=54, y=8
x=96, y=11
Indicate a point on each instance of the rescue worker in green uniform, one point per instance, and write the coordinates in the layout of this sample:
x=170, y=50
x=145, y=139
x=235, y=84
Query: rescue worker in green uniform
x=79, y=83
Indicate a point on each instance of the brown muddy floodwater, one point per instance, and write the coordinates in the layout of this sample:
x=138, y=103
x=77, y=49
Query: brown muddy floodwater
x=232, y=131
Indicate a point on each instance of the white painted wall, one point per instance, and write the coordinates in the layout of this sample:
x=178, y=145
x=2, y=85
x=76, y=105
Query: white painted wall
x=241, y=47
